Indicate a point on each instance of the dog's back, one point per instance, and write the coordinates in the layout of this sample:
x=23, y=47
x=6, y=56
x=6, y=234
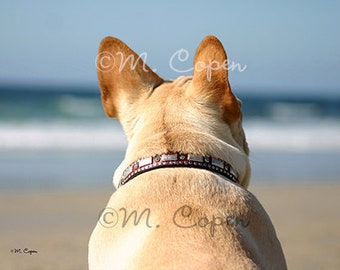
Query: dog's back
x=182, y=217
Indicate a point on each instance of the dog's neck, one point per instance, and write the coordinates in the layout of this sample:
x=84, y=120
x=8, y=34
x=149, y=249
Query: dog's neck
x=191, y=142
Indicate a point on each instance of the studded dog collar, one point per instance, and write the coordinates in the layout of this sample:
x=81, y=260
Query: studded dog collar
x=178, y=160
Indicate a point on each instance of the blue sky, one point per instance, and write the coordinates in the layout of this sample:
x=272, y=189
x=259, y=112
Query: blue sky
x=290, y=46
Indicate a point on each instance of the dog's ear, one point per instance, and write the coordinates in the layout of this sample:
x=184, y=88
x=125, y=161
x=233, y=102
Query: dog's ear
x=123, y=76
x=210, y=80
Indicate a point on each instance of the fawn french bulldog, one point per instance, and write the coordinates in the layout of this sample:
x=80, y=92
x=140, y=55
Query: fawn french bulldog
x=181, y=200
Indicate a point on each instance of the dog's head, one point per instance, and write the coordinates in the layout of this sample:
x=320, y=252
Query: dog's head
x=191, y=114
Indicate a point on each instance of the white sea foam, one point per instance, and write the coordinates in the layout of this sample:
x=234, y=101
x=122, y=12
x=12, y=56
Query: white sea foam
x=261, y=135
x=299, y=137
x=92, y=136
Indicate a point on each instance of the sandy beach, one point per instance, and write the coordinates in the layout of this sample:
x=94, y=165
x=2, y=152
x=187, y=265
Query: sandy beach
x=50, y=229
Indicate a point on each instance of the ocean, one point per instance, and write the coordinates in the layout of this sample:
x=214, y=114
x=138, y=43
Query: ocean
x=59, y=137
